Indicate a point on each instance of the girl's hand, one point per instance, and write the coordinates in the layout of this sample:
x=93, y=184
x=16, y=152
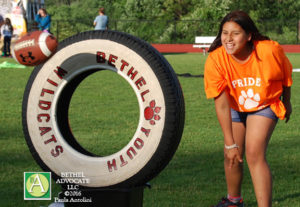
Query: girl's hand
x=233, y=155
x=286, y=97
x=288, y=107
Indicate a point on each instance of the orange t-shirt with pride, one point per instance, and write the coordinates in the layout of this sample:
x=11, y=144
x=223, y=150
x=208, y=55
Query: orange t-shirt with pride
x=253, y=85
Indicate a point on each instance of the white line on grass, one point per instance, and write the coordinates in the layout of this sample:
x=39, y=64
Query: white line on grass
x=296, y=70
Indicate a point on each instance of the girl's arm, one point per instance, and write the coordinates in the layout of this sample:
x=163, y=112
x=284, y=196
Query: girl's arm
x=286, y=95
x=37, y=18
x=224, y=117
x=45, y=22
x=1, y=30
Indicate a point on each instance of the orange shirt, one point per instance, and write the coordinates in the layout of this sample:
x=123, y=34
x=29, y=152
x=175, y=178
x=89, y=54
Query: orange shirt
x=253, y=85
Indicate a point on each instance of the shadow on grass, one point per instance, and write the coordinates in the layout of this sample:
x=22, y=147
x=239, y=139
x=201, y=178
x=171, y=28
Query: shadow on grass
x=288, y=197
x=11, y=132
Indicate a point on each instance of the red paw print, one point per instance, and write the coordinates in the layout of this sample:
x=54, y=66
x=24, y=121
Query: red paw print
x=151, y=112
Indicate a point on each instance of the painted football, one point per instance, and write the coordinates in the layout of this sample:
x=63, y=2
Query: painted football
x=34, y=48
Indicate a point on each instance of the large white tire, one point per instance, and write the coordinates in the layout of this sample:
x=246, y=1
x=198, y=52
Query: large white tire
x=48, y=94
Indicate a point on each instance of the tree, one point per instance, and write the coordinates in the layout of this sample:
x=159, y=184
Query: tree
x=170, y=21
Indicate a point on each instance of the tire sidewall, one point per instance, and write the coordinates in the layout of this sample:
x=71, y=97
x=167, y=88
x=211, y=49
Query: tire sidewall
x=45, y=88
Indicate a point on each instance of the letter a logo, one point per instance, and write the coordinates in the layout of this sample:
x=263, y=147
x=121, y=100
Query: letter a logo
x=37, y=186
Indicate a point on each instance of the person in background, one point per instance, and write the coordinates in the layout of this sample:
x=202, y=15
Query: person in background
x=1, y=42
x=101, y=21
x=6, y=35
x=1, y=20
x=250, y=79
x=44, y=20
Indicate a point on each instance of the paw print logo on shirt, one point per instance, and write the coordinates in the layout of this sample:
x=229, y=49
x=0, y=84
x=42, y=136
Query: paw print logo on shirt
x=249, y=100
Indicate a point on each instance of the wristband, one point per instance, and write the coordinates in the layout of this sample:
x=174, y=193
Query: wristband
x=231, y=146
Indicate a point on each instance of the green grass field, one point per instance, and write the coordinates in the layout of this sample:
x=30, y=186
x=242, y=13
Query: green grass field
x=193, y=178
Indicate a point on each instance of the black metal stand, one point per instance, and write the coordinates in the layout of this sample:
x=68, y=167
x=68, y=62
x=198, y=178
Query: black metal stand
x=115, y=197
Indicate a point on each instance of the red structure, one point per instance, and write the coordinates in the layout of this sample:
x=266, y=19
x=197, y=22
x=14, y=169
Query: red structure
x=188, y=48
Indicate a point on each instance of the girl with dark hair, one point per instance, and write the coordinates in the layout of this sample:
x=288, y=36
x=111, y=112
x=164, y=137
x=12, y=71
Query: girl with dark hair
x=250, y=79
x=6, y=35
x=43, y=19
x=245, y=22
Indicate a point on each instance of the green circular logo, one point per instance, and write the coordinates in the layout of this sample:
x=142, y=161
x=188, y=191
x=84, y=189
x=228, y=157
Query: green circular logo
x=37, y=185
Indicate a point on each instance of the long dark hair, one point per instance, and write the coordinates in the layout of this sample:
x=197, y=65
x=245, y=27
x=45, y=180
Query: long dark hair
x=8, y=23
x=242, y=19
x=44, y=10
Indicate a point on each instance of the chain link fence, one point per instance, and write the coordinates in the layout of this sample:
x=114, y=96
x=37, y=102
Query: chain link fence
x=173, y=31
